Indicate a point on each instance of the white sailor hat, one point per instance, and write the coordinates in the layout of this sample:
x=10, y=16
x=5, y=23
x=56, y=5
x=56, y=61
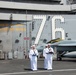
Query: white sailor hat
x=33, y=46
x=49, y=44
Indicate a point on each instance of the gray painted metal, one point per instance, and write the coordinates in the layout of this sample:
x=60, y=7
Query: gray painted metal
x=34, y=6
x=17, y=17
x=15, y=40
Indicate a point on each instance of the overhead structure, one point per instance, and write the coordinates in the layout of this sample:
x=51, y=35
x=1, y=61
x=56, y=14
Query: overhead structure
x=36, y=6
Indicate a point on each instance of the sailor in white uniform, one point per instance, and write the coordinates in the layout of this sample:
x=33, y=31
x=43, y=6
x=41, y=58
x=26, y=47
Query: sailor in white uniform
x=48, y=54
x=33, y=53
x=45, y=55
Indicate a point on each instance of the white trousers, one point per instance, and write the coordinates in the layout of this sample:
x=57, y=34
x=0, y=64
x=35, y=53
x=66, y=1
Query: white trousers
x=33, y=61
x=49, y=62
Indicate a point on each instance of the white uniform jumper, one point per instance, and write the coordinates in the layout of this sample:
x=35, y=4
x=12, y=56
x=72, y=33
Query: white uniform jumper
x=45, y=59
x=33, y=59
x=49, y=56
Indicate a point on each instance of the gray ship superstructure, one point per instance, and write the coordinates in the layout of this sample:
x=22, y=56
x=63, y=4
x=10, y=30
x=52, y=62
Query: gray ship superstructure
x=25, y=22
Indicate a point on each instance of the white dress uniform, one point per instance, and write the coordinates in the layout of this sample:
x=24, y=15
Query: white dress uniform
x=48, y=57
x=33, y=59
x=45, y=59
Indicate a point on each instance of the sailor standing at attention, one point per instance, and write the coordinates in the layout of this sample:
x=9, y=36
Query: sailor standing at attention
x=33, y=53
x=45, y=57
x=49, y=56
